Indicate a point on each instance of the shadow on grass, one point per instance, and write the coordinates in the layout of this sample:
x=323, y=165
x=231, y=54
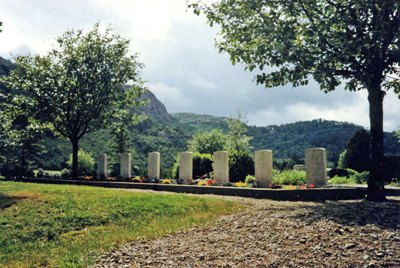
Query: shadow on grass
x=7, y=201
x=385, y=215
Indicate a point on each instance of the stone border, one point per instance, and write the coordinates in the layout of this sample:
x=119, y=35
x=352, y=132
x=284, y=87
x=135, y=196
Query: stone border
x=345, y=193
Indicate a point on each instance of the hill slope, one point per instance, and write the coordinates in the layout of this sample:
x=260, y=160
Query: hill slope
x=290, y=140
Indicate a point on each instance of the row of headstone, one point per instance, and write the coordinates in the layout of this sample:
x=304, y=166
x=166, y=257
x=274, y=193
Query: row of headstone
x=126, y=166
x=315, y=159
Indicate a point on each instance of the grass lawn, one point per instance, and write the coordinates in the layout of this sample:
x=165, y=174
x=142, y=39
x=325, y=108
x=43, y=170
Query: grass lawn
x=68, y=226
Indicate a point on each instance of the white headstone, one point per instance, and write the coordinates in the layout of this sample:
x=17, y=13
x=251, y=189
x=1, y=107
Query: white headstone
x=186, y=167
x=102, y=171
x=126, y=166
x=153, y=167
x=221, y=166
x=263, y=168
x=316, y=167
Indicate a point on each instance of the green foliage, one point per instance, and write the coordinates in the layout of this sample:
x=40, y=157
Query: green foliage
x=78, y=87
x=341, y=180
x=240, y=165
x=325, y=40
x=202, y=165
x=194, y=123
x=361, y=177
x=342, y=160
x=284, y=164
x=356, y=155
x=353, y=42
x=208, y=142
x=85, y=163
x=251, y=180
x=289, y=177
x=74, y=222
x=238, y=141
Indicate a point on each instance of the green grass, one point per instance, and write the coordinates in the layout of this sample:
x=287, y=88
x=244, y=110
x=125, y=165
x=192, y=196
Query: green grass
x=68, y=226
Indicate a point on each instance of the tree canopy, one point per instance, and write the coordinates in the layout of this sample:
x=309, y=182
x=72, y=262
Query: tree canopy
x=354, y=42
x=78, y=87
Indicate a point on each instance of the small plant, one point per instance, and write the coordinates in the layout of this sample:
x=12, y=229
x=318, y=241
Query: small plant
x=241, y=184
x=201, y=183
x=88, y=178
x=290, y=187
x=227, y=184
x=136, y=179
x=251, y=180
x=206, y=182
x=211, y=182
x=166, y=181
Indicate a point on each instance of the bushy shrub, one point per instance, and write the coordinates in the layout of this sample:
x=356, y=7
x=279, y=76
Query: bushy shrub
x=289, y=177
x=361, y=177
x=339, y=172
x=341, y=180
x=250, y=179
x=240, y=165
x=202, y=164
x=85, y=163
x=66, y=173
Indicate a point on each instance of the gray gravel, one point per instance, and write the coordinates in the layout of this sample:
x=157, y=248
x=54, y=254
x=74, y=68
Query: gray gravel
x=278, y=234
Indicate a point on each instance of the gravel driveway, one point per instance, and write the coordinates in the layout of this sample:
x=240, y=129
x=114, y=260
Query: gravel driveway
x=278, y=234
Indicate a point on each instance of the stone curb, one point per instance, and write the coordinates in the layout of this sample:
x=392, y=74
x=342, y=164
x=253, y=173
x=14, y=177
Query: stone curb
x=348, y=193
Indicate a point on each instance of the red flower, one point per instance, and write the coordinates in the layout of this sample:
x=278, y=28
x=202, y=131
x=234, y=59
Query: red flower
x=311, y=186
x=302, y=187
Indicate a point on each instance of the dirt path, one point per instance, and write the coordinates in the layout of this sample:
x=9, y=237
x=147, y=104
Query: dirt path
x=278, y=234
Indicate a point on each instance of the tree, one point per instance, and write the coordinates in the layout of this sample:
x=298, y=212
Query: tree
x=238, y=141
x=355, y=42
x=357, y=155
x=78, y=87
x=208, y=142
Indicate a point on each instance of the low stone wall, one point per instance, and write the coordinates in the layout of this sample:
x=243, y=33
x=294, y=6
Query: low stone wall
x=321, y=194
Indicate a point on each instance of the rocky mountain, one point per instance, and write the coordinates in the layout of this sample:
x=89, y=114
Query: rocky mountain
x=154, y=108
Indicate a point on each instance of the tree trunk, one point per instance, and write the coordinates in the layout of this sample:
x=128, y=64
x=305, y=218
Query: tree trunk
x=376, y=180
x=75, y=148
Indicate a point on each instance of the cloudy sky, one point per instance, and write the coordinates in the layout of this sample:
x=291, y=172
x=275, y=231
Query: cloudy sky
x=182, y=66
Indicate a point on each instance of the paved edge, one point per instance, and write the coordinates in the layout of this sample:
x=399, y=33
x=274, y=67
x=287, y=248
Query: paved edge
x=348, y=193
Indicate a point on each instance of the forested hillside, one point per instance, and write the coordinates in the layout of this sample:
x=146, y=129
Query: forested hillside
x=290, y=140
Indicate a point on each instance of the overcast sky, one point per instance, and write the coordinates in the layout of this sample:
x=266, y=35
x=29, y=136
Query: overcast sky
x=182, y=66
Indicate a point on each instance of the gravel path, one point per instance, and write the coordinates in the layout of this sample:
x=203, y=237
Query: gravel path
x=278, y=234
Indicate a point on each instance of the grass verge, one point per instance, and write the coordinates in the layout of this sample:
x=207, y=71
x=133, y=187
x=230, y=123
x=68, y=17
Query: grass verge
x=69, y=226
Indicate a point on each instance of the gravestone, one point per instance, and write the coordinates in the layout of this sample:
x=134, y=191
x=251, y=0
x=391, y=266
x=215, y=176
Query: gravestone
x=102, y=171
x=315, y=159
x=186, y=167
x=221, y=166
x=126, y=166
x=263, y=168
x=153, y=167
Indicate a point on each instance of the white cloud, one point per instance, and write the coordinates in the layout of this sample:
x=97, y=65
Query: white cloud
x=171, y=96
x=149, y=20
x=202, y=83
